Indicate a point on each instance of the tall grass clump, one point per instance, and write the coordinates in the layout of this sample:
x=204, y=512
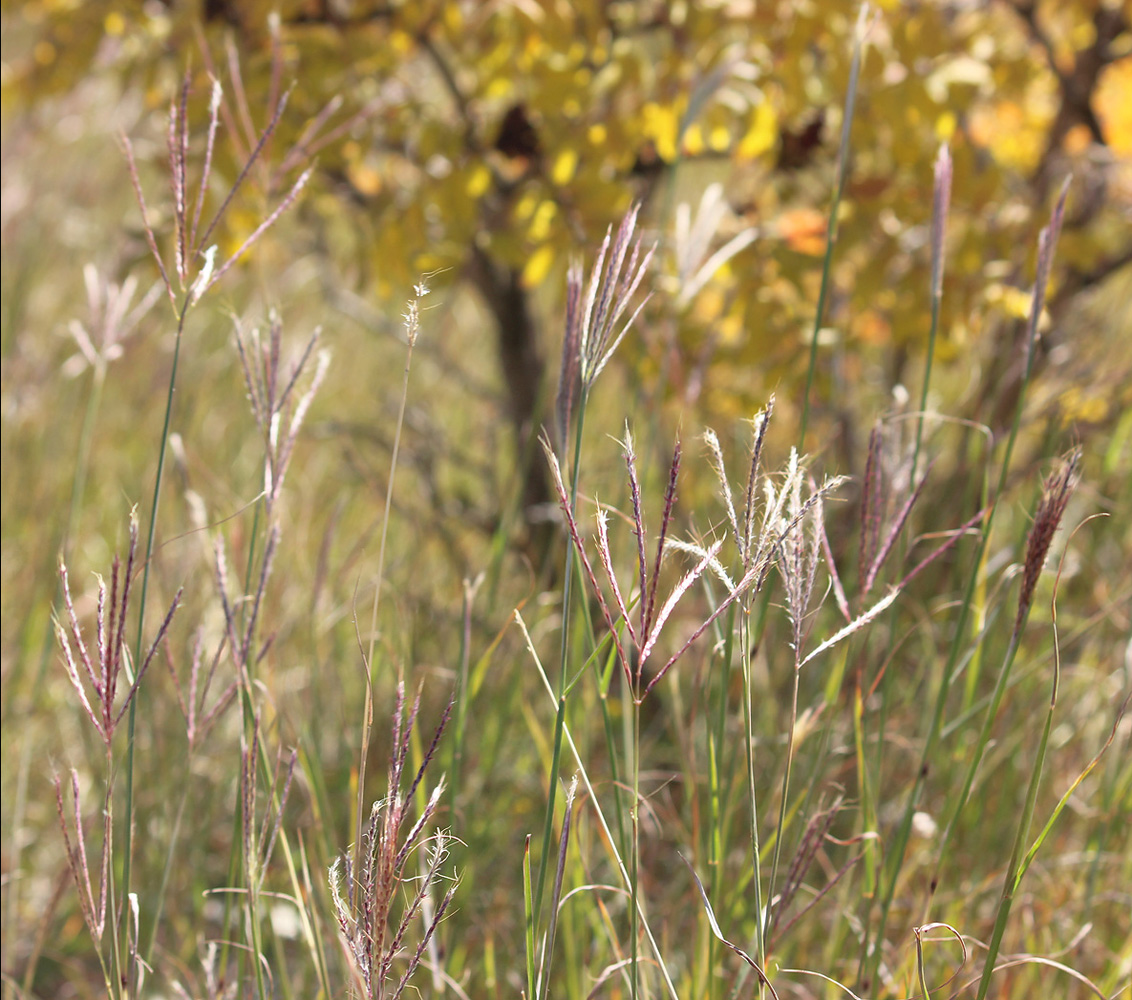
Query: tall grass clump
x=780, y=522
x=98, y=671
x=371, y=932
x=193, y=271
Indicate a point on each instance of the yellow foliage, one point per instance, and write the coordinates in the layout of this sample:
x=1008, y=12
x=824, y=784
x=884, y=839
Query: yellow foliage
x=761, y=134
x=661, y=123
x=540, y=223
x=453, y=19
x=945, y=126
x=1015, y=302
x=498, y=88
x=1081, y=407
x=526, y=205
x=693, y=144
x=538, y=266
x=1077, y=140
x=430, y=262
x=565, y=164
x=709, y=305
x=1014, y=132
x=730, y=330
x=365, y=177
x=241, y=222
x=1114, y=105
x=401, y=41
x=873, y=329
x=479, y=180
x=719, y=138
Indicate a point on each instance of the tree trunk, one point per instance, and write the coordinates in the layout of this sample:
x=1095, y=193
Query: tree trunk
x=523, y=370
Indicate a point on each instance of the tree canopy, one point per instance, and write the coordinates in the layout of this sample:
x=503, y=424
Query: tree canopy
x=483, y=142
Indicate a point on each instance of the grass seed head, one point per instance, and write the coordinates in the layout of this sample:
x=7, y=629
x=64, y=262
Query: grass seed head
x=1056, y=491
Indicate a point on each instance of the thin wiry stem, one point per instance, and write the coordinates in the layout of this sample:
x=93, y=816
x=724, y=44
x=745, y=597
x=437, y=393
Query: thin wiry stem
x=894, y=532
x=650, y=618
x=151, y=536
x=412, y=330
x=1055, y=495
x=371, y=925
x=556, y=893
x=835, y=207
x=1047, y=243
x=639, y=533
x=941, y=200
x=759, y=966
x=608, y=837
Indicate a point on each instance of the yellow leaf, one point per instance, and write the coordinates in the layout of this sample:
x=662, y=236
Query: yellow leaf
x=730, y=330
x=693, y=140
x=365, y=178
x=453, y=19
x=1013, y=132
x=564, y=166
x=762, y=132
x=526, y=205
x=538, y=266
x=1077, y=140
x=709, y=305
x=479, y=179
x=719, y=138
x=1016, y=302
x=1078, y=406
x=660, y=125
x=1114, y=107
x=401, y=41
x=873, y=328
x=540, y=224
x=429, y=262
x=497, y=88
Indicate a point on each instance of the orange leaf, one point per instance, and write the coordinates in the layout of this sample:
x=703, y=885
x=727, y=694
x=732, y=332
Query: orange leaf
x=803, y=229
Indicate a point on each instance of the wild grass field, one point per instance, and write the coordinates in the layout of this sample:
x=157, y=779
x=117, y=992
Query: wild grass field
x=761, y=647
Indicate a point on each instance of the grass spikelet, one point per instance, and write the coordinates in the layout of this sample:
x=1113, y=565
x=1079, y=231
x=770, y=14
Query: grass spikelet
x=372, y=928
x=1056, y=491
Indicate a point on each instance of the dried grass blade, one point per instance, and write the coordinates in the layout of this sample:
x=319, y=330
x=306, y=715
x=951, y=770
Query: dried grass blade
x=713, y=923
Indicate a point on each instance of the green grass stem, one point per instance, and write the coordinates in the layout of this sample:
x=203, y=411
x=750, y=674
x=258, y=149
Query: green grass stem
x=139, y=652
x=367, y=711
x=1047, y=246
x=834, y=212
x=564, y=659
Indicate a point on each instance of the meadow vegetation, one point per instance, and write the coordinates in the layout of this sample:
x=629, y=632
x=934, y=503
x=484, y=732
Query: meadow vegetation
x=776, y=642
